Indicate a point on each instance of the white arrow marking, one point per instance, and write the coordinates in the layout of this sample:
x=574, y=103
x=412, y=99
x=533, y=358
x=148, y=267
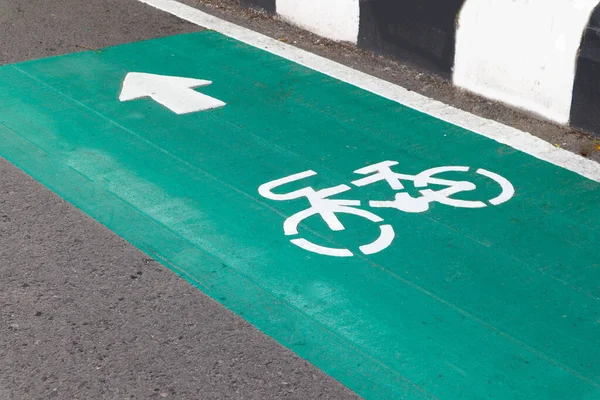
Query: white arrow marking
x=173, y=92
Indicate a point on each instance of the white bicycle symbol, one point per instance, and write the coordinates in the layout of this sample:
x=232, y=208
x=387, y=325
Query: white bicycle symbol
x=326, y=208
x=405, y=202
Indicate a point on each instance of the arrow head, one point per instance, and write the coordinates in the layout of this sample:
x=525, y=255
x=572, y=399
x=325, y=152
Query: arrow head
x=138, y=84
x=175, y=93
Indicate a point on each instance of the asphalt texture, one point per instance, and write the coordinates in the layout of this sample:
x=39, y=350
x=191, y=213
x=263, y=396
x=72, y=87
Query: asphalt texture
x=84, y=314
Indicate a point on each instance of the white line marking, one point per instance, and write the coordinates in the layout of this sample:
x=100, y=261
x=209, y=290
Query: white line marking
x=512, y=137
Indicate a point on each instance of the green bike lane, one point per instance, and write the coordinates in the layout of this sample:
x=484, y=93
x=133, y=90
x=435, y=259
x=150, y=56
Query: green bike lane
x=477, y=281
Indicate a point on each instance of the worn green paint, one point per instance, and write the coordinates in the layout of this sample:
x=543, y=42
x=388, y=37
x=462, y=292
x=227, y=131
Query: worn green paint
x=500, y=302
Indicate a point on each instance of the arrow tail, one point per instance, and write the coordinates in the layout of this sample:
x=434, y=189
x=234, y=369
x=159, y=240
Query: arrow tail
x=188, y=101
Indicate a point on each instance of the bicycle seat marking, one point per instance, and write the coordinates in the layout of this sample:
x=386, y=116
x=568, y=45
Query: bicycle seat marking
x=322, y=205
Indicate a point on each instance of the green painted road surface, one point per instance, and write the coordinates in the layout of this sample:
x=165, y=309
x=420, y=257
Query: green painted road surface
x=402, y=255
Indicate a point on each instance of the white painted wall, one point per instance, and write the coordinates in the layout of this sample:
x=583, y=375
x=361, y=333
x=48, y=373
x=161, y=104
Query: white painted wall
x=522, y=52
x=333, y=19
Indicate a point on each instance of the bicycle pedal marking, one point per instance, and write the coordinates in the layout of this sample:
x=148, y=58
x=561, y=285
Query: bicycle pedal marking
x=327, y=208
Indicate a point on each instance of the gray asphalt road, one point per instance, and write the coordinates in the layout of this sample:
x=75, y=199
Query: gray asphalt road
x=83, y=314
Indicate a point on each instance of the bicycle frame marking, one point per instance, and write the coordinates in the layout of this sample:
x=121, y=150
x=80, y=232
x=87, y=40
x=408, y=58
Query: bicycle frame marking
x=321, y=204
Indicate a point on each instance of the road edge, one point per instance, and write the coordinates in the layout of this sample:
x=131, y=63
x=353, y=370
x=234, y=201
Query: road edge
x=509, y=136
